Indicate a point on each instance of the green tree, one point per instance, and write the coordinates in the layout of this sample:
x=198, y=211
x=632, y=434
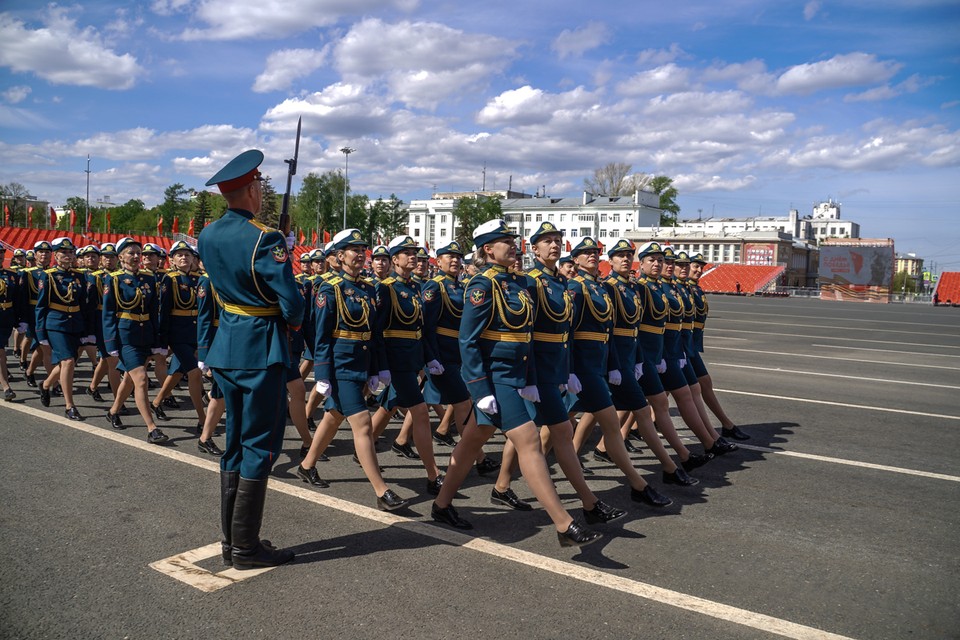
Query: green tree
x=388, y=218
x=122, y=216
x=663, y=187
x=903, y=282
x=270, y=206
x=78, y=205
x=174, y=204
x=471, y=213
x=202, y=211
x=14, y=198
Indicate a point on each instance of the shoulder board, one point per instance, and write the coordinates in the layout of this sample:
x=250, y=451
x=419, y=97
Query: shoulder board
x=29, y=269
x=260, y=225
x=437, y=278
x=388, y=281
x=147, y=272
x=578, y=278
x=490, y=273
x=368, y=281
x=327, y=276
x=116, y=273
x=334, y=280
x=50, y=270
x=534, y=273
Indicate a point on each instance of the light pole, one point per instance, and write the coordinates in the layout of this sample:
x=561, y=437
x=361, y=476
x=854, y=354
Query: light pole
x=86, y=220
x=346, y=168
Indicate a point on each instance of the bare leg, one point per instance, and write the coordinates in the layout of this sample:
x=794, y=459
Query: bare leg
x=362, y=427
x=610, y=426
x=583, y=430
x=702, y=410
x=214, y=413
x=508, y=466
x=67, y=368
x=298, y=410
x=566, y=455
x=533, y=466
x=710, y=397
x=444, y=427
x=138, y=379
x=322, y=438
x=471, y=441
x=195, y=387
x=403, y=436
x=649, y=434
x=166, y=386
x=661, y=411
x=423, y=439
x=688, y=411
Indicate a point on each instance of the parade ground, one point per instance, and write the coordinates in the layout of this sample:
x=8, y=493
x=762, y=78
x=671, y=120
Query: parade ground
x=837, y=519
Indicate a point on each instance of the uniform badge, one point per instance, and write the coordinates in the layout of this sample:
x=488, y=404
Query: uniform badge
x=127, y=281
x=39, y=284
x=201, y=292
x=321, y=301
x=428, y=295
x=106, y=289
x=404, y=294
x=477, y=296
x=349, y=292
x=280, y=254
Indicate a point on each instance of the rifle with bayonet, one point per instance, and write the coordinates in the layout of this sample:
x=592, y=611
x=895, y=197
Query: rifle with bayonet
x=283, y=224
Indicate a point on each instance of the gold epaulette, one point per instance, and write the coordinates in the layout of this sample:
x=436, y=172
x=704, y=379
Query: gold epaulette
x=50, y=270
x=148, y=272
x=260, y=225
x=388, y=280
x=326, y=275
x=491, y=273
x=117, y=273
x=334, y=280
x=369, y=281
x=437, y=278
x=578, y=278
x=535, y=273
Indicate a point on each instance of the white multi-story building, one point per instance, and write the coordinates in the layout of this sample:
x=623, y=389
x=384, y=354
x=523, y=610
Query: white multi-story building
x=605, y=218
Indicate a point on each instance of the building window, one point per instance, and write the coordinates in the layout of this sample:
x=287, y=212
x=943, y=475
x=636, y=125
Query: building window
x=563, y=217
x=603, y=233
x=603, y=217
x=573, y=233
x=527, y=218
x=616, y=217
x=416, y=232
x=443, y=219
x=539, y=217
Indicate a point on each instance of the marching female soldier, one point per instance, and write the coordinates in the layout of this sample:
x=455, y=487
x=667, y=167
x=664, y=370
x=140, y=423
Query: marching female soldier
x=62, y=319
x=346, y=363
x=9, y=292
x=107, y=365
x=131, y=332
x=495, y=334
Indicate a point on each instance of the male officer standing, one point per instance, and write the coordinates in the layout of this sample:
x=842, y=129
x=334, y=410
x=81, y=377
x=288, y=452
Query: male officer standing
x=250, y=354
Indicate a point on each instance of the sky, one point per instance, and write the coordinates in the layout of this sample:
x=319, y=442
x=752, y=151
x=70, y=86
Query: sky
x=752, y=107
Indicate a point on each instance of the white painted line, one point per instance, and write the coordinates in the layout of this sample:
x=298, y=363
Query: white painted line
x=852, y=463
x=810, y=327
x=709, y=336
x=728, y=338
x=839, y=319
x=911, y=353
x=182, y=567
x=834, y=375
x=811, y=355
x=846, y=405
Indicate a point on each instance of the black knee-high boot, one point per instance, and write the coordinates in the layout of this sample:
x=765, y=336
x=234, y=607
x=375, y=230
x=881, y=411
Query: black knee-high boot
x=228, y=496
x=249, y=552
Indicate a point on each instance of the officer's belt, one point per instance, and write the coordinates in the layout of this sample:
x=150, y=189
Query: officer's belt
x=5, y=305
x=649, y=328
x=594, y=336
x=626, y=333
x=399, y=333
x=136, y=317
x=246, y=310
x=672, y=326
x=216, y=322
x=33, y=302
x=498, y=336
x=351, y=335
x=540, y=336
x=450, y=333
x=63, y=308
x=687, y=326
x=698, y=325
x=184, y=312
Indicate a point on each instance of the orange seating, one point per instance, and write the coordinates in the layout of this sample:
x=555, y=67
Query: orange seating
x=948, y=287
x=723, y=278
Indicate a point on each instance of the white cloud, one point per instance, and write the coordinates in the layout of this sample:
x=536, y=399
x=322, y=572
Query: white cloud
x=911, y=85
x=811, y=9
x=287, y=65
x=698, y=102
x=526, y=105
x=846, y=70
x=341, y=111
x=18, y=118
x=16, y=94
x=235, y=19
x=694, y=182
x=575, y=42
x=661, y=56
x=427, y=61
x=664, y=79
x=64, y=54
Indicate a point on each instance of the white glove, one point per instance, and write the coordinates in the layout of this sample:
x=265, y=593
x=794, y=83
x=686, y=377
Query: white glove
x=530, y=392
x=291, y=240
x=638, y=371
x=683, y=362
x=434, y=368
x=488, y=404
x=45, y=343
x=573, y=384
x=385, y=378
x=323, y=387
x=662, y=367
x=114, y=354
x=373, y=382
x=614, y=377
x=88, y=340
x=22, y=327
x=204, y=369
x=158, y=351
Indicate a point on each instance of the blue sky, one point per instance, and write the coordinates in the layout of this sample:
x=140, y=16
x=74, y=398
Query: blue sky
x=751, y=106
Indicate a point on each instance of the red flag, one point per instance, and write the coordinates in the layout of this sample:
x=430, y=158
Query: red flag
x=108, y=221
x=6, y=216
x=53, y=217
x=160, y=226
x=326, y=237
x=314, y=237
x=523, y=245
x=30, y=216
x=191, y=229
x=175, y=227
x=205, y=224
x=569, y=248
x=73, y=219
x=303, y=238
x=89, y=216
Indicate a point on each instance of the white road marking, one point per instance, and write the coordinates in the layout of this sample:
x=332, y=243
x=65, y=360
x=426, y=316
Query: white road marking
x=912, y=323
x=182, y=567
x=811, y=355
x=178, y=566
x=911, y=353
x=709, y=336
x=825, y=326
x=834, y=375
x=846, y=405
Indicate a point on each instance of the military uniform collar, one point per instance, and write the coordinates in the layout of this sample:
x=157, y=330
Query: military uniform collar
x=348, y=278
x=243, y=212
x=446, y=275
x=586, y=275
x=620, y=278
x=400, y=278
x=499, y=268
x=539, y=265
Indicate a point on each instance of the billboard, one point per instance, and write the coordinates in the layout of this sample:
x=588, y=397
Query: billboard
x=761, y=255
x=856, y=272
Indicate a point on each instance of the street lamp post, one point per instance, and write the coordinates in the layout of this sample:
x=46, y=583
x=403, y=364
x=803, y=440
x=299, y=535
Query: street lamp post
x=346, y=168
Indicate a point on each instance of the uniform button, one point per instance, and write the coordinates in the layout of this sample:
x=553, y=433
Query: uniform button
x=364, y=347
x=524, y=357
